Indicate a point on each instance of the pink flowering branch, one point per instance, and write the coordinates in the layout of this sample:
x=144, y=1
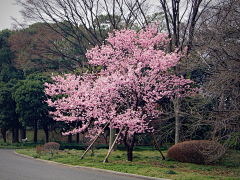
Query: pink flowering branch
x=136, y=75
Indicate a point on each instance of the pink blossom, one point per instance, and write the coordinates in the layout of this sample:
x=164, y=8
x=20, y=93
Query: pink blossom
x=135, y=77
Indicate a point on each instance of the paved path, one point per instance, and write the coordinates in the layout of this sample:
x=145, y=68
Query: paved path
x=16, y=167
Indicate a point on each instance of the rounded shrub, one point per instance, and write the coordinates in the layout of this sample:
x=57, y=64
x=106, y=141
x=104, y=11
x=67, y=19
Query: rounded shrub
x=196, y=151
x=51, y=147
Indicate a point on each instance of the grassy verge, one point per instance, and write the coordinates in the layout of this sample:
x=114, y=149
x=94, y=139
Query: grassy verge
x=147, y=163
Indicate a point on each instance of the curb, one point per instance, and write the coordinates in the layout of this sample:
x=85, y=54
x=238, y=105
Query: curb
x=93, y=169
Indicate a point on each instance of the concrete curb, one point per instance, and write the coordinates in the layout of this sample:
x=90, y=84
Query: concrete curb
x=93, y=169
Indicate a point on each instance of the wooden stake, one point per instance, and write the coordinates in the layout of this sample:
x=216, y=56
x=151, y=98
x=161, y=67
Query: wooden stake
x=110, y=150
x=163, y=158
x=94, y=141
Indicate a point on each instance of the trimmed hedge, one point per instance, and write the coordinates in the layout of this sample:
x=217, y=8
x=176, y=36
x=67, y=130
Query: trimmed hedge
x=196, y=151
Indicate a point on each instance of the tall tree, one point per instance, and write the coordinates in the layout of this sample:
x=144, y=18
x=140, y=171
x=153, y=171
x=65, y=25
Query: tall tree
x=28, y=46
x=30, y=103
x=8, y=116
x=8, y=76
x=6, y=55
x=218, y=44
x=181, y=19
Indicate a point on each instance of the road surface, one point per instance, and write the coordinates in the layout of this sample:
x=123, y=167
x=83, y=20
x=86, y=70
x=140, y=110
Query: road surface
x=17, y=167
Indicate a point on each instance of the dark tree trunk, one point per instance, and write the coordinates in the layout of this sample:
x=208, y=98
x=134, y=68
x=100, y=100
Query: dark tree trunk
x=129, y=154
x=23, y=133
x=46, y=135
x=129, y=147
x=35, y=131
x=15, y=135
x=77, y=138
x=46, y=131
x=3, y=132
x=70, y=138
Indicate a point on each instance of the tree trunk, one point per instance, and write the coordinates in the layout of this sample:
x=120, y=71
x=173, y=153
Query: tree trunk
x=77, y=138
x=177, y=123
x=23, y=133
x=45, y=128
x=129, y=147
x=3, y=132
x=35, y=131
x=15, y=135
x=70, y=138
x=129, y=155
x=218, y=107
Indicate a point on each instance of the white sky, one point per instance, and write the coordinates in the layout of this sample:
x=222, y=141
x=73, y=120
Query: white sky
x=7, y=9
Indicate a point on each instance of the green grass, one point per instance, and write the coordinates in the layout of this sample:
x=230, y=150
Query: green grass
x=145, y=162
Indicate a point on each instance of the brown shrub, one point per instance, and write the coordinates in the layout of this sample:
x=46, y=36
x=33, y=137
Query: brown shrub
x=51, y=147
x=196, y=151
x=39, y=148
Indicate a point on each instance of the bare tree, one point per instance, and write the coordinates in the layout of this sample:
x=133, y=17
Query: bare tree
x=78, y=23
x=218, y=42
x=181, y=18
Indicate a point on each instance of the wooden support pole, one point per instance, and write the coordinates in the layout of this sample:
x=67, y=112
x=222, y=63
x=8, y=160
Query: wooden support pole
x=94, y=141
x=110, y=150
x=163, y=158
x=112, y=138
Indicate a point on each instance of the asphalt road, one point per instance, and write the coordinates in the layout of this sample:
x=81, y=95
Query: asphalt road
x=17, y=167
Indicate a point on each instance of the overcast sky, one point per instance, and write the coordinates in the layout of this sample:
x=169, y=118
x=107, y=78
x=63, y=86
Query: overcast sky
x=7, y=9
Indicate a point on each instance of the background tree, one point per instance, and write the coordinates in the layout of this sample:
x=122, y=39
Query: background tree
x=8, y=77
x=8, y=117
x=218, y=44
x=28, y=46
x=79, y=23
x=6, y=56
x=181, y=21
x=30, y=103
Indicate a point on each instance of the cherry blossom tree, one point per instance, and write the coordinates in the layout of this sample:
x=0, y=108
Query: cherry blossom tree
x=136, y=73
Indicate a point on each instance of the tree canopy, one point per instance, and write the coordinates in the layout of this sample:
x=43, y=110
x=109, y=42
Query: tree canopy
x=136, y=74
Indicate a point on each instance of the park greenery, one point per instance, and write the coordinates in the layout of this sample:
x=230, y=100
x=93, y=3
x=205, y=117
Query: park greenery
x=146, y=162
x=153, y=74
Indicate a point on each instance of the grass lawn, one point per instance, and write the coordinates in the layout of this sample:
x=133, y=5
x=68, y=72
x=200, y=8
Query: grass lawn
x=147, y=163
